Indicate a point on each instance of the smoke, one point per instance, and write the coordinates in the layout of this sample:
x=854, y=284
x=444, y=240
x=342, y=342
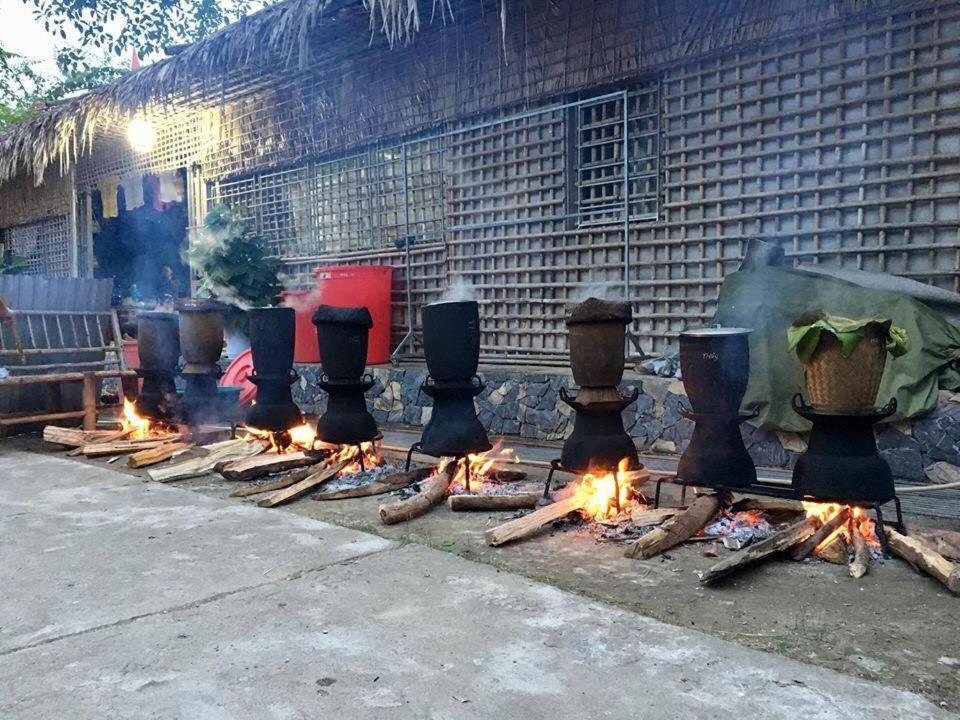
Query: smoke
x=303, y=301
x=612, y=291
x=459, y=290
x=207, y=242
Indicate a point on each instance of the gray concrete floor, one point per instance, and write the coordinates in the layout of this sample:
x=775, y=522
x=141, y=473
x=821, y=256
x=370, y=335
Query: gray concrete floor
x=120, y=599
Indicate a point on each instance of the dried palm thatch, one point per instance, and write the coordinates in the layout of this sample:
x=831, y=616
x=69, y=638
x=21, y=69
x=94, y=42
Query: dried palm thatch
x=307, y=35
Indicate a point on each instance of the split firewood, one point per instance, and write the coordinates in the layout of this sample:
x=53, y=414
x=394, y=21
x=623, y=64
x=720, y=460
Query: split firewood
x=120, y=447
x=505, y=475
x=834, y=552
x=378, y=487
x=652, y=516
x=216, y=453
x=925, y=558
x=77, y=438
x=770, y=505
x=822, y=533
x=945, y=542
x=860, y=560
x=431, y=493
x=528, y=525
x=522, y=501
x=248, y=469
x=154, y=455
x=675, y=530
x=776, y=543
x=326, y=472
x=287, y=480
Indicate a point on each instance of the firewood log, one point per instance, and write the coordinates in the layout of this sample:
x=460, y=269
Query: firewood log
x=783, y=540
x=505, y=475
x=77, y=438
x=431, y=493
x=378, y=487
x=314, y=480
x=823, y=532
x=528, y=525
x=120, y=447
x=522, y=501
x=292, y=477
x=834, y=552
x=770, y=505
x=675, y=530
x=218, y=452
x=643, y=516
x=945, y=542
x=152, y=456
x=259, y=466
x=925, y=558
x=860, y=560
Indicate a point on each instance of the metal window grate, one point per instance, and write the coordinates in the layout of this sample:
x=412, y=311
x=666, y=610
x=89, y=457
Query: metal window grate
x=602, y=157
x=45, y=244
x=362, y=202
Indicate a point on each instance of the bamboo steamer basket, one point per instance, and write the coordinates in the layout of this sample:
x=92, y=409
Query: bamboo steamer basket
x=839, y=384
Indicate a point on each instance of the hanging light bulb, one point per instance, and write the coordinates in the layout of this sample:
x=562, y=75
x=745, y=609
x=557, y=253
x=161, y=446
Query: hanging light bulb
x=141, y=134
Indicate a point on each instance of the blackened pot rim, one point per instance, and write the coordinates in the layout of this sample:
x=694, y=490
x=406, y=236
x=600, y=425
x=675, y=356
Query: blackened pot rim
x=709, y=332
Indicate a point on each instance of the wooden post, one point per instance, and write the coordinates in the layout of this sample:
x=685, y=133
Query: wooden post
x=89, y=401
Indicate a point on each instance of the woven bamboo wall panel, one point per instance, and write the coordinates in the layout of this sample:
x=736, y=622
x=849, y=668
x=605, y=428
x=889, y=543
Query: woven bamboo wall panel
x=45, y=244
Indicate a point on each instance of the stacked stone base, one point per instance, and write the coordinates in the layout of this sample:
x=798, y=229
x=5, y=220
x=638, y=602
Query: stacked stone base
x=527, y=404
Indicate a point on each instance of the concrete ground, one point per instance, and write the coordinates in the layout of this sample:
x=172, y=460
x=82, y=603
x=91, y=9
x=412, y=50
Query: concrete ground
x=122, y=599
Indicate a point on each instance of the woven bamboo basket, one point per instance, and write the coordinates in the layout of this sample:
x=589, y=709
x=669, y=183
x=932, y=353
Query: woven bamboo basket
x=839, y=384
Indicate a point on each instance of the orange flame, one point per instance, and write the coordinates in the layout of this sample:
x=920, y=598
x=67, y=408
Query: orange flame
x=139, y=427
x=861, y=523
x=367, y=450
x=301, y=437
x=606, y=495
x=480, y=465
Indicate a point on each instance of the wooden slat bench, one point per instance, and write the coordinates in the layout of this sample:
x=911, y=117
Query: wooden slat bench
x=61, y=346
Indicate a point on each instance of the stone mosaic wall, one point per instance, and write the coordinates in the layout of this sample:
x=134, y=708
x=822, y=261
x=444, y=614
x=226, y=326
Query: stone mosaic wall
x=528, y=405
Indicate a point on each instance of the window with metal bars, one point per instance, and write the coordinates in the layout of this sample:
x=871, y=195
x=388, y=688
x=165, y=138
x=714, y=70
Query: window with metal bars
x=602, y=157
x=44, y=244
x=366, y=201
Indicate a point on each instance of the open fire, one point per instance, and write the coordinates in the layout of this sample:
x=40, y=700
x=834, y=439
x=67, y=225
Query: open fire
x=140, y=427
x=606, y=495
x=478, y=472
x=855, y=522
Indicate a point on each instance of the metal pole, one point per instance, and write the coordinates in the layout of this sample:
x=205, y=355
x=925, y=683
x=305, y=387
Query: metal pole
x=408, y=339
x=631, y=338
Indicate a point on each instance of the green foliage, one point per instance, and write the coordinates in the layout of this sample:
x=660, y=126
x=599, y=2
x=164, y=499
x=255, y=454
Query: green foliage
x=804, y=335
x=232, y=264
x=11, y=264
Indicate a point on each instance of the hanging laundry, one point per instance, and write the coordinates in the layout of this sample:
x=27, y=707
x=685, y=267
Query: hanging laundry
x=132, y=190
x=171, y=189
x=108, y=186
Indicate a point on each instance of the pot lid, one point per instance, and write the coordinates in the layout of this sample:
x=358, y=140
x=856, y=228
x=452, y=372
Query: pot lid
x=238, y=375
x=707, y=332
x=347, y=315
x=595, y=310
x=200, y=305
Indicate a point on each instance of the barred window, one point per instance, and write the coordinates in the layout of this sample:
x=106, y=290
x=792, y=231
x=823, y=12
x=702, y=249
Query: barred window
x=600, y=163
x=44, y=244
x=361, y=202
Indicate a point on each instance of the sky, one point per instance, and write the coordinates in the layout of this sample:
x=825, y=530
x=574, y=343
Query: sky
x=21, y=34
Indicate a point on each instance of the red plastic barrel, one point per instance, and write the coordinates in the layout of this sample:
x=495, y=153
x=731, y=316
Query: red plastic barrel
x=238, y=374
x=361, y=285
x=344, y=286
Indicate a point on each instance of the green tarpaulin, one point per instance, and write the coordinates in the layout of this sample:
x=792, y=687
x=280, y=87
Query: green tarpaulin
x=769, y=299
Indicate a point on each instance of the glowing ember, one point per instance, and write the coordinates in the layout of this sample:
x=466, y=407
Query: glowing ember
x=606, y=495
x=480, y=466
x=367, y=451
x=860, y=522
x=139, y=427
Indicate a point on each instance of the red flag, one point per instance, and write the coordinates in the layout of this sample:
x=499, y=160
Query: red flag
x=134, y=59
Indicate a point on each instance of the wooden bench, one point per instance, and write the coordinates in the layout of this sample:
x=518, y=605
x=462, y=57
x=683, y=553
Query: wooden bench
x=61, y=346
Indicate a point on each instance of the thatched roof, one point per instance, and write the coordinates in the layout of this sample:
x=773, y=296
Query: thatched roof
x=279, y=35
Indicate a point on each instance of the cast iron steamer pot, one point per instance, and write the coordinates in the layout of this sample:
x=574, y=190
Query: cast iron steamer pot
x=451, y=340
x=715, y=367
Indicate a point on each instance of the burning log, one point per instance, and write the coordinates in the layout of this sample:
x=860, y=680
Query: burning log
x=783, y=540
x=286, y=481
x=823, y=533
x=154, y=455
x=505, y=475
x=378, y=487
x=860, y=560
x=420, y=503
x=644, y=516
x=676, y=530
x=314, y=480
x=770, y=505
x=523, y=501
x=834, y=552
x=120, y=447
x=945, y=542
x=925, y=558
x=528, y=525
x=218, y=452
x=248, y=469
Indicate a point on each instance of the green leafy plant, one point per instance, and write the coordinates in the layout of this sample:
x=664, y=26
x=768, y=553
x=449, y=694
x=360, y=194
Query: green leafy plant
x=11, y=264
x=804, y=335
x=232, y=264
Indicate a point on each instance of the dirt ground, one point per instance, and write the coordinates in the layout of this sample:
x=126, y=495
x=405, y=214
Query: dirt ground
x=892, y=626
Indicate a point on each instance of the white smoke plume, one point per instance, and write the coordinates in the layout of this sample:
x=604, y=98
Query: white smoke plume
x=459, y=290
x=601, y=291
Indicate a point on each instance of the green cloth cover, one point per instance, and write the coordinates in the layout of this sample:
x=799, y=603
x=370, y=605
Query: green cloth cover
x=769, y=299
